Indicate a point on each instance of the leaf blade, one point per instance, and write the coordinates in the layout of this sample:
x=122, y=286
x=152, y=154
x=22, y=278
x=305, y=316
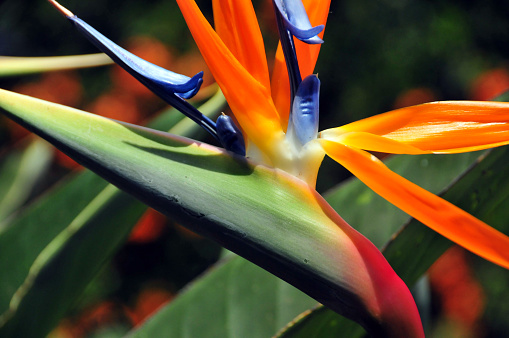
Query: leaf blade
x=14, y=66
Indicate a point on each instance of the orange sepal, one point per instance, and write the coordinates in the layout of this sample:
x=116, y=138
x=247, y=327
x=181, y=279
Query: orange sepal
x=249, y=100
x=435, y=212
x=371, y=142
x=317, y=11
x=439, y=127
x=235, y=22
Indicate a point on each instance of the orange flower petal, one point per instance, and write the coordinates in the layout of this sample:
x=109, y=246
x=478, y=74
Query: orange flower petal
x=235, y=22
x=367, y=141
x=317, y=10
x=249, y=100
x=439, y=127
x=438, y=214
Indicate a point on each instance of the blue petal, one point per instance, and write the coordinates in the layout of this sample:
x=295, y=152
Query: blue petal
x=305, y=109
x=230, y=135
x=297, y=21
x=170, y=86
x=162, y=82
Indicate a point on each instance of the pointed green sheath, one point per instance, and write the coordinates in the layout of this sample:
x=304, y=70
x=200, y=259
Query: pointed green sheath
x=265, y=215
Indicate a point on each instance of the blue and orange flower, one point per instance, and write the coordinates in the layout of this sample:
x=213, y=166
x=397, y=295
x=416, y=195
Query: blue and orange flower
x=235, y=54
x=278, y=119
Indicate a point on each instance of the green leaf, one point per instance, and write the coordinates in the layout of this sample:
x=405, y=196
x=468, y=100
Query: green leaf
x=19, y=171
x=13, y=66
x=279, y=223
x=62, y=258
x=234, y=299
x=53, y=249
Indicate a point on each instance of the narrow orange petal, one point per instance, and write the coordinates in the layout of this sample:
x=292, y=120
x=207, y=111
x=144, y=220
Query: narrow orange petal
x=235, y=22
x=280, y=85
x=317, y=10
x=440, y=127
x=435, y=212
x=249, y=100
x=371, y=142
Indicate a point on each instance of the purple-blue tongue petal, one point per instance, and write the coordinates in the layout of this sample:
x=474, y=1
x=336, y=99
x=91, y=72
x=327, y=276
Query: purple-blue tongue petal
x=305, y=109
x=230, y=135
x=162, y=82
x=170, y=86
x=297, y=21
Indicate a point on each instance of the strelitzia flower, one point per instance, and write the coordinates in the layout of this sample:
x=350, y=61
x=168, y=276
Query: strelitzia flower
x=235, y=54
x=278, y=121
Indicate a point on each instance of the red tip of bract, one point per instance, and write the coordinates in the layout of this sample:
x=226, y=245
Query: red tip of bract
x=390, y=307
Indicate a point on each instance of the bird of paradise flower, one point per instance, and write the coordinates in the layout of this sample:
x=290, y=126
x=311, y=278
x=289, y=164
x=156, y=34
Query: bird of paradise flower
x=279, y=118
x=236, y=57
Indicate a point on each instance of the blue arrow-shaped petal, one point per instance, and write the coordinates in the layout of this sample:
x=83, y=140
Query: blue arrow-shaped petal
x=297, y=21
x=305, y=110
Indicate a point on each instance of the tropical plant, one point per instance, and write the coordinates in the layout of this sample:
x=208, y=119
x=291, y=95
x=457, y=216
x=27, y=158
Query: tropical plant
x=256, y=197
